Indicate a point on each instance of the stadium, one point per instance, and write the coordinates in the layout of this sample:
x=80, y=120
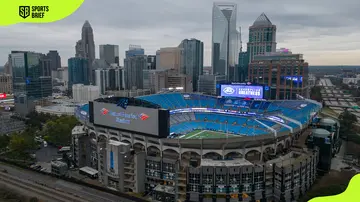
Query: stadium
x=164, y=145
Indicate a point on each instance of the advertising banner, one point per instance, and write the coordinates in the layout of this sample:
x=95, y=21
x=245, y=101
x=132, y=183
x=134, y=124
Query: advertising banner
x=133, y=118
x=242, y=91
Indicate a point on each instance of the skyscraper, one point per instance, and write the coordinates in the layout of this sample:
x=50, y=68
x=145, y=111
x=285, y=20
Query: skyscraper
x=151, y=61
x=31, y=75
x=133, y=69
x=108, y=79
x=55, y=59
x=109, y=53
x=225, y=37
x=193, y=59
x=85, y=47
x=262, y=37
x=134, y=50
x=78, y=71
x=170, y=58
x=79, y=52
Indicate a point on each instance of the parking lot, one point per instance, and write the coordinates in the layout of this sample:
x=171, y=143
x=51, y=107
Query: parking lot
x=45, y=155
x=335, y=96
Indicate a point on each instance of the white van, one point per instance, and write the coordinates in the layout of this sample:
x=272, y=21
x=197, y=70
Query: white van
x=45, y=144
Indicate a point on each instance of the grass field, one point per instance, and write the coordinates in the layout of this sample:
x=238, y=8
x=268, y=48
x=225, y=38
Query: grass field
x=205, y=134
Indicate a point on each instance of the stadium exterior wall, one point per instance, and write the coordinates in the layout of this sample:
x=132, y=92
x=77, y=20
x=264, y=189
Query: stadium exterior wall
x=221, y=146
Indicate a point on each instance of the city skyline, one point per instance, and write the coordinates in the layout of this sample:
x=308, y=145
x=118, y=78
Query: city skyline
x=325, y=33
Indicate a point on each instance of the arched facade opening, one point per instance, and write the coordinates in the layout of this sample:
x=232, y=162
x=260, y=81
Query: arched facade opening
x=126, y=141
x=138, y=147
x=189, y=158
x=233, y=155
x=171, y=154
x=114, y=138
x=153, y=151
x=253, y=156
x=212, y=155
x=268, y=154
x=92, y=136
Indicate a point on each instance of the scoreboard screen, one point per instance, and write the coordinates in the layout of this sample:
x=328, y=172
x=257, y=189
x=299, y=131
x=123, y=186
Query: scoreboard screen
x=242, y=91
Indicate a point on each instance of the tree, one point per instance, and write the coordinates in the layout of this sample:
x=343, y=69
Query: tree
x=21, y=143
x=37, y=120
x=58, y=131
x=346, y=119
x=4, y=141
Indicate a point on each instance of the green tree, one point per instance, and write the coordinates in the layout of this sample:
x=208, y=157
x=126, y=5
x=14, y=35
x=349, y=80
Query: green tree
x=21, y=143
x=37, y=120
x=58, y=131
x=4, y=141
x=346, y=119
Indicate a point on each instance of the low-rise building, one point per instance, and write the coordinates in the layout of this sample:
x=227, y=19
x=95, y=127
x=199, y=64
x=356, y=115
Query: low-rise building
x=59, y=168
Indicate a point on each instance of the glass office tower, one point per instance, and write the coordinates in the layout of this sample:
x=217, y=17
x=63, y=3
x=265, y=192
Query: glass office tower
x=78, y=71
x=225, y=38
x=30, y=75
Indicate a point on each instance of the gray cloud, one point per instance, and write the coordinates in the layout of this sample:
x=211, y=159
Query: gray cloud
x=325, y=31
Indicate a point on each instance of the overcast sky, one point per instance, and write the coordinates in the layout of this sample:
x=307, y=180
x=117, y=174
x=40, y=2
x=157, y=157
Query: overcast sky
x=327, y=32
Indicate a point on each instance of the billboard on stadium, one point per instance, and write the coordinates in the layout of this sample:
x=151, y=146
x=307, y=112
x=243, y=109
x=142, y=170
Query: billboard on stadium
x=133, y=118
x=242, y=91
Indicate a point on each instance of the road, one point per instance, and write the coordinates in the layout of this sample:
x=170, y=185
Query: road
x=46, y=154
x=86, y=193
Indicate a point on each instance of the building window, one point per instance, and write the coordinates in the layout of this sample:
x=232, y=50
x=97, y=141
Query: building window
x=258, y=177
x=194, y=178
x=247, y=188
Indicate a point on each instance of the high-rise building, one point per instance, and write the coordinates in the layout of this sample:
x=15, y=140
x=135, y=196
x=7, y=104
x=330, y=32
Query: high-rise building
x=79, y=52
x=225, y=39
x=109, y=79
x=7, y=66
x=179, y=80
x=284, y=72
x=133, y=69
x=243, y=66
x=78, y=71
x=209, y=84
x=85, y=93
x=5, y=83
x=157, y=80
x=170, y=58
x=151, y=62
x=55, y=59
x=262, y=37
x=109, y=53
x=193, y=59
x=31, y=75
x=134, y=50
x=85, y=47
x=100, y=64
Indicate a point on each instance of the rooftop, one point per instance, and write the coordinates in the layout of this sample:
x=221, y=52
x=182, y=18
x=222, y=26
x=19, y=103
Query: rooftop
x=319, y=132
x=290, y=158
x=226, y=163
x=262, y=20
x=78, y=130
x=328, y=121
